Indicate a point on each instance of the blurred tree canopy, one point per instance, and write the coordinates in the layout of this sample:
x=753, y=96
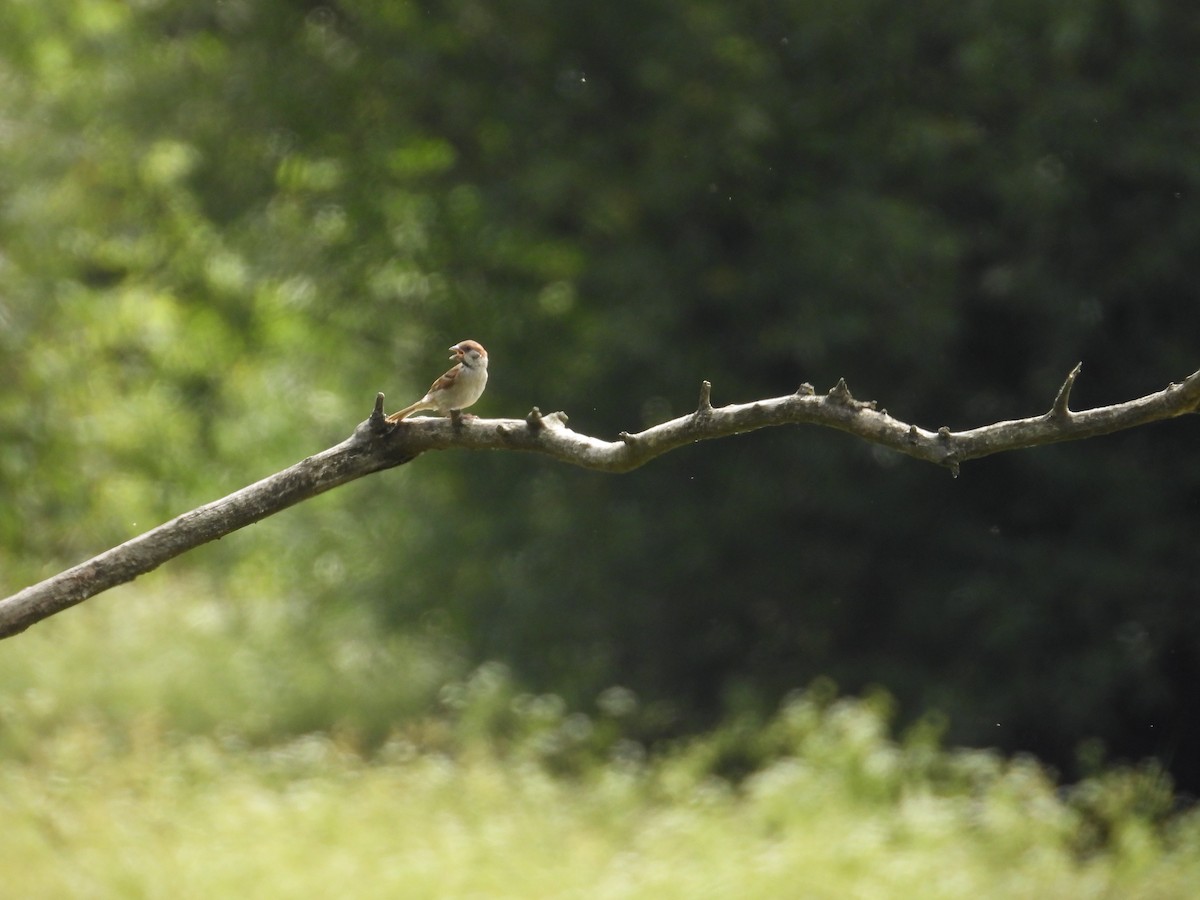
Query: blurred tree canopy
x=224, y=226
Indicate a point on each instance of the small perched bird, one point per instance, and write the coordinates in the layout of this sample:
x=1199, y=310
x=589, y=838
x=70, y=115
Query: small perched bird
x=458, y=388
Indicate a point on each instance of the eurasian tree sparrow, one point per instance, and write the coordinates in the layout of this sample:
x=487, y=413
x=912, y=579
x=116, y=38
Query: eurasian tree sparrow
x=458, y=388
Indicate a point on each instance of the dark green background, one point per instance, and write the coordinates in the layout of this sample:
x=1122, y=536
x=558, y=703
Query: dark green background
x=225, y=226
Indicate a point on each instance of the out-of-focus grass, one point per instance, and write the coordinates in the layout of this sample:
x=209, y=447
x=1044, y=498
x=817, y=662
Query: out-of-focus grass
x=176, y=655
x=309, y=819
x=152, y=748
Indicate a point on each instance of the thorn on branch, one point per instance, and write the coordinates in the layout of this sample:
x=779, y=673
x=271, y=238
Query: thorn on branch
x=840, y=393
x=944, y=433
x=1061, y=410
x=536, y=421
x=705, y=405
x=628, y=438
x=375, y=424
x=805, y=390
x=913, y=434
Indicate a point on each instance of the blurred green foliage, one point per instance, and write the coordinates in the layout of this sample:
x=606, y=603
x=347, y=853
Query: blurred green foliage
x=211, y=746
x=224, y=227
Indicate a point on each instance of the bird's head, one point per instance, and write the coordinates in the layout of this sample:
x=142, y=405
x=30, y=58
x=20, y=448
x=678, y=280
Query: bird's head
x=469, y=353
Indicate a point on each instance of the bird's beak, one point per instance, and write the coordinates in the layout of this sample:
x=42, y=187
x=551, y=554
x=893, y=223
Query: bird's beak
x=456, y=352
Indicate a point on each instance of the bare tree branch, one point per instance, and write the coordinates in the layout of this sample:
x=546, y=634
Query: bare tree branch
x=376, y=446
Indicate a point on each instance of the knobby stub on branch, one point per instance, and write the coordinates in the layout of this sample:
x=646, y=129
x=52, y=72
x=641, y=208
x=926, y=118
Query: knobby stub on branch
x=375, y=445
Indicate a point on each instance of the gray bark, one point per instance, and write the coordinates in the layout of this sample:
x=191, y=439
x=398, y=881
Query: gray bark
x=376, y=446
